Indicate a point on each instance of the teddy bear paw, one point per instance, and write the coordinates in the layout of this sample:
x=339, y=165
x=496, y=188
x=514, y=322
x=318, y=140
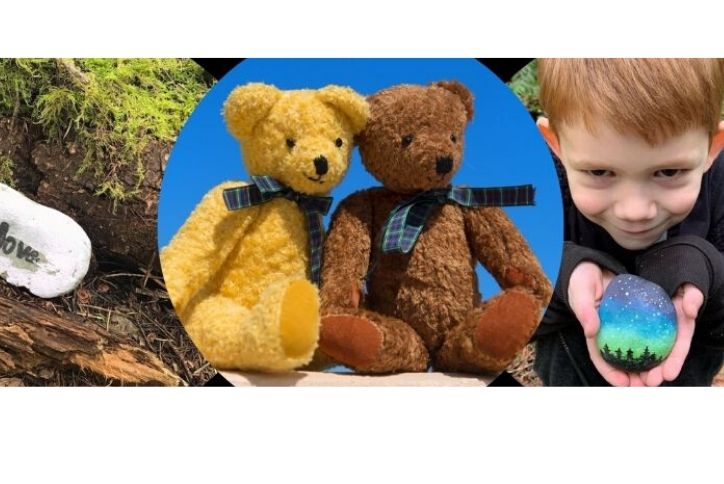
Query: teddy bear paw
x=299, y=319
x=506, y=325
x=351, y=340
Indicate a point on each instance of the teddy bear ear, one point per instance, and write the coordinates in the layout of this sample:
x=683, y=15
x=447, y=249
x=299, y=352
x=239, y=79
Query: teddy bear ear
x=460, y=91
x=247, y=105
x=354, y=106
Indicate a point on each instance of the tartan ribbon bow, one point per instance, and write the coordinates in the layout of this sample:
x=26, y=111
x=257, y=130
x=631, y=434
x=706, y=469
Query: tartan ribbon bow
x=266, y=188
x=406, y=221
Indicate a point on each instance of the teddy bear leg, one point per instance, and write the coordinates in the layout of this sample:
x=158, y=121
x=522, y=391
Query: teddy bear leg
x=279, y=333
x=371, y=343
x=491, y=335
x=216, y=327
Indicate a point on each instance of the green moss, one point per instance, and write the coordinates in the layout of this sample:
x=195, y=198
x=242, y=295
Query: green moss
x=6, y=170
x=109, y=108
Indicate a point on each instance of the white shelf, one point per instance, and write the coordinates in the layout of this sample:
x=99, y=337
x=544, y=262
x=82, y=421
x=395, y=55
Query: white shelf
x=321, y=379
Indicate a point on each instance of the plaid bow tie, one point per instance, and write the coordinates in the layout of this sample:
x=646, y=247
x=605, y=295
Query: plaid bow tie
x=406, y=220
x=266, y=188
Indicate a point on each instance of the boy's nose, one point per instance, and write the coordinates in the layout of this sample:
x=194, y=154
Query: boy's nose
x=636, y=208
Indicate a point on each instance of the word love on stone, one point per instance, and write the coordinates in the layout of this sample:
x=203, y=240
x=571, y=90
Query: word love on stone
x=9, y=244
x=41, y=248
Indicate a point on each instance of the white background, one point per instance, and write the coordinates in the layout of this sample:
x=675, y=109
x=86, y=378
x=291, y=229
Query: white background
x=360, y=435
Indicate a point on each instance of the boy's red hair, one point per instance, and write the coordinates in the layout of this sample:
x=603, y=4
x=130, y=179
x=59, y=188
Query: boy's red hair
x=654, y=98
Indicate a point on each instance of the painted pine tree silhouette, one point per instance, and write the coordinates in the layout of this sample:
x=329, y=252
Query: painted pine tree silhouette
x=646, y=354
x=630, y=362
x=606, y=351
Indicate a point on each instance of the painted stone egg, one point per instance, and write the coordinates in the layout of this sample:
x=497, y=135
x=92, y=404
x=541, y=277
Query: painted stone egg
x=638, y=323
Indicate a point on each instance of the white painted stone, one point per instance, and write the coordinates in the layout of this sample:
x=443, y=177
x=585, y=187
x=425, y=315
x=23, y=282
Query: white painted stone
x=40, y=248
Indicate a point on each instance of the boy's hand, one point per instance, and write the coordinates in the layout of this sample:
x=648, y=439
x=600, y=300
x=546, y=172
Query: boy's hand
x=687, y=301
x=585, y=290
x=587, y=285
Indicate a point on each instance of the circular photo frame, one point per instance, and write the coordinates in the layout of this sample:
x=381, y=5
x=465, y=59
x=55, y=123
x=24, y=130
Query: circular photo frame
x=502, y=147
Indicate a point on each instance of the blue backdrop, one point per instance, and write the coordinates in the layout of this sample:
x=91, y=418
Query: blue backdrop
x=502, y=147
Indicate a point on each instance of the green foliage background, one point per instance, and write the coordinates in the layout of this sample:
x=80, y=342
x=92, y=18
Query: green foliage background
x=110, y=109
x=525, y=85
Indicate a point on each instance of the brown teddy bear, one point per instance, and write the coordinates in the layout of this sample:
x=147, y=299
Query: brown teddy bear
x=417, y=301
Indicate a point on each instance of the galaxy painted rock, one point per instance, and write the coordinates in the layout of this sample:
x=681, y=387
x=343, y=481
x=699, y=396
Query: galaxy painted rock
x=41, y=248
x=638, y=323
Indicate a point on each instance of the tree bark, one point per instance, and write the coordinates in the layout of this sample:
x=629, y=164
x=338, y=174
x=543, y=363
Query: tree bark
x=32, y=339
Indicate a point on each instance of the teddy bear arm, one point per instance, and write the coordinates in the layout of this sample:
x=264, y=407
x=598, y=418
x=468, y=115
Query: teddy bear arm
x=500, y=247
x=202, y=245
x=347, y=253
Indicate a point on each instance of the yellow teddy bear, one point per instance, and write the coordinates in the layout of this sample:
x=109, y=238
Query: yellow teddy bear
x=238, y=271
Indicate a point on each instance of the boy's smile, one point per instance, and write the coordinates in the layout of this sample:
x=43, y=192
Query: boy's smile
x=634, y=190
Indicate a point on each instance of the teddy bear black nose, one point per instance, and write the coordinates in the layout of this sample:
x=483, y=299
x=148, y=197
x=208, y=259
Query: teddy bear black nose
x=444, y=165
x=320, y=165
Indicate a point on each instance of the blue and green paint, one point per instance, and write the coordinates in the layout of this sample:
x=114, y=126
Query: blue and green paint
x=638, y=324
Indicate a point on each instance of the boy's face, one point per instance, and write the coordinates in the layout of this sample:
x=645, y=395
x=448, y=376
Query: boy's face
x=634, y=190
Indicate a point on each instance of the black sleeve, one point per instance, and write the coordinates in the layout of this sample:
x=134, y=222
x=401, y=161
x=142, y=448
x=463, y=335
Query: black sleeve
x=694, y=260
x=559, y=314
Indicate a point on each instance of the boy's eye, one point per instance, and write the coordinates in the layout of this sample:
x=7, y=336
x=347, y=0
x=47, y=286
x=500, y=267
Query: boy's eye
x=669, y=173
x=599, y=173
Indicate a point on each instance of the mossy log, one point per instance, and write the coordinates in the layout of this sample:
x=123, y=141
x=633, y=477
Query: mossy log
x=121, y=232
x=32, y=339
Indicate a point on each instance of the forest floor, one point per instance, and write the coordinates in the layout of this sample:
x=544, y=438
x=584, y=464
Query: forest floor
x=90, y=138
x=522, y=369
x=132, y=306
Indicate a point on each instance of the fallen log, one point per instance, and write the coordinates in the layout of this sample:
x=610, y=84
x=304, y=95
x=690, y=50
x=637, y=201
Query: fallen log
x=32, y=339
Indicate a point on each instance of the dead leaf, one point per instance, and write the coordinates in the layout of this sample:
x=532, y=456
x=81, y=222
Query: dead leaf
x=124, y=325
x=84, y=296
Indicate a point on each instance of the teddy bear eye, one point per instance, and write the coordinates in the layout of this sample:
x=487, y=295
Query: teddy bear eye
x=291, y=143
x=453, y=138
x=406, y=140
x=338, y=142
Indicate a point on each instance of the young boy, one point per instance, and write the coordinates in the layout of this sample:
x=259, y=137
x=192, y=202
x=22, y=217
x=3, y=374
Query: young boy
x=640, y=142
